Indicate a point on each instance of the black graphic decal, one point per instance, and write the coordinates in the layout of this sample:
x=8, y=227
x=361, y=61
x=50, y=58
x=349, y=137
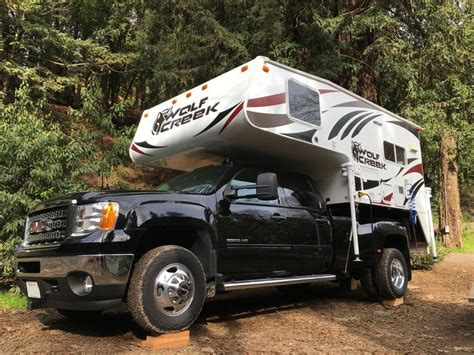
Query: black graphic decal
x=416, y=187
x=407, y=126
x=363, y=124
x=145, y=144
x=218, y=118
x=339, y=124
x=306, y=136
x=387, y=180
x=353, y=124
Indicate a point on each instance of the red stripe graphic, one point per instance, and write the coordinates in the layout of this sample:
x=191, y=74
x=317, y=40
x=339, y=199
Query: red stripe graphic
x=271, y=100
x=135, y=149
x=415, y=169
x=388, y=197
x=232, y=116
x=326, y=91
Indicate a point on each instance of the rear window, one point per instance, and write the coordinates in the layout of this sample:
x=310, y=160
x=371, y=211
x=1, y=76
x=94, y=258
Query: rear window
x=303, y=103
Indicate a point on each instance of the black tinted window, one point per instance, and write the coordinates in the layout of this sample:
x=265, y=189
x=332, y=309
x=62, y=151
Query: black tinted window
x=248, y=177
x=394, y=153
x=201, y=181
x=303, y=103
x=389, y=151
x=298, y=191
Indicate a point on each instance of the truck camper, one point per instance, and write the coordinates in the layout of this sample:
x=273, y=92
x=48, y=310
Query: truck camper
x=288, y=179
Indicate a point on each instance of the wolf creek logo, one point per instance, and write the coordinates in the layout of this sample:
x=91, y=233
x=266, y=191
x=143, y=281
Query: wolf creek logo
x=366, y=157
x=169, y=118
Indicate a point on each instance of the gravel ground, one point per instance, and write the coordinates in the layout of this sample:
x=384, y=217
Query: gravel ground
x=436, y=317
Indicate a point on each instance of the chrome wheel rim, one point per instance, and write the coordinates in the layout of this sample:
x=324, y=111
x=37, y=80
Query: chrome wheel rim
x=174, y=289
x=397, y=273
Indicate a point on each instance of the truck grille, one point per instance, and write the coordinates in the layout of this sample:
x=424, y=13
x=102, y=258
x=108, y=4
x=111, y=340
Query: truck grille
x=47, y=227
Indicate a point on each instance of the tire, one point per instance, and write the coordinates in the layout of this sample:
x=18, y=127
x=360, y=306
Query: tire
x=78, y=316
x=156, y=304
x=393, y=274
x=369, y=283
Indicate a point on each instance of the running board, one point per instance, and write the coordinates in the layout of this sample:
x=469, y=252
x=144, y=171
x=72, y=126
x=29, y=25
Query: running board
x=277, y=281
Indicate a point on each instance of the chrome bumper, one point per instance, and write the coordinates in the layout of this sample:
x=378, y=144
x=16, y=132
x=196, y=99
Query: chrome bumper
x=105, y=269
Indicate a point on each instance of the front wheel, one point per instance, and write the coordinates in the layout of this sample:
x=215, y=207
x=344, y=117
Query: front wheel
x=167, y=289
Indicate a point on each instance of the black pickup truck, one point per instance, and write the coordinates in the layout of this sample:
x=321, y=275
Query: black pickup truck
x=218, y=228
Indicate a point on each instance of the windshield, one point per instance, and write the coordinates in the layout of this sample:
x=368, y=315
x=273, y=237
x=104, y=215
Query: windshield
x=202, y=181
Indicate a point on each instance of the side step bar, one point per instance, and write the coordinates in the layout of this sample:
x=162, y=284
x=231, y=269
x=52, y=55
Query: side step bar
x=277, y=281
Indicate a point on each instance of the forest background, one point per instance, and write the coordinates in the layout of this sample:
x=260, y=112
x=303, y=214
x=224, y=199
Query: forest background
x=75, y=76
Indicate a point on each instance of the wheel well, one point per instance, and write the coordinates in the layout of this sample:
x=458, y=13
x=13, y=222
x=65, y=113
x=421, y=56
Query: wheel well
x=195, y=240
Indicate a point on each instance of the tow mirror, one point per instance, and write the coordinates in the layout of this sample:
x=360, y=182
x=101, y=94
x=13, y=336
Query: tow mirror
x=267, y=186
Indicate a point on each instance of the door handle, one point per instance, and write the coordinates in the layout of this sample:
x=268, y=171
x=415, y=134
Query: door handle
x=323, y=220
x=278, y=217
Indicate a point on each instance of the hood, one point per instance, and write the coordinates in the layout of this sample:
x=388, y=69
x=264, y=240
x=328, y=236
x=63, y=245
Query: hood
x=123, y=197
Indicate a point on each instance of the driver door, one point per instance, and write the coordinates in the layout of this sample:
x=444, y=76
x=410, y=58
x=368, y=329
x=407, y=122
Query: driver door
x=253, y=233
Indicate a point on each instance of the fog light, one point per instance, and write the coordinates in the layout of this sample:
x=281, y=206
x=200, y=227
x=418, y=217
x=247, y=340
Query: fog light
x=80, y=283
x=88, y=284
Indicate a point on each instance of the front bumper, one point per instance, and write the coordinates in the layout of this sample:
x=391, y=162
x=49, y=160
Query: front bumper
x=57, y=278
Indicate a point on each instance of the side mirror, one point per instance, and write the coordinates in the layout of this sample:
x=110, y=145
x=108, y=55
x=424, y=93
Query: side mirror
x=267, y=186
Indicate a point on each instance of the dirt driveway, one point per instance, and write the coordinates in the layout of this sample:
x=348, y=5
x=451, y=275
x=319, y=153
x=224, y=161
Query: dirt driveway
x=436, y=317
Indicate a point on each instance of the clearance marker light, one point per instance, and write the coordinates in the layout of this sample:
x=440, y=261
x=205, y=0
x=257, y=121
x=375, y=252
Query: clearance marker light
x=265, y=68
x=188, y=94
x=174, y=101
x=145, y=114
x=204, y=87
x=244, y=68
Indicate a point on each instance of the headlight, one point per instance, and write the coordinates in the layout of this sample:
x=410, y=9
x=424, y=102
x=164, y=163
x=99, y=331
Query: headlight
x=101, y=215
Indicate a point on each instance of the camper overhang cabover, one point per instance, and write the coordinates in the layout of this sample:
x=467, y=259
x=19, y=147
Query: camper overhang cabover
x=265, y=113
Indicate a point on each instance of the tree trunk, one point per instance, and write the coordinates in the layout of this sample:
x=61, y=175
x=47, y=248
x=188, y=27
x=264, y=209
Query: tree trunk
x=450, y=219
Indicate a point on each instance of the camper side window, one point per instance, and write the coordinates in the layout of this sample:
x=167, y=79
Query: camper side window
x=394, y=153
x=303, y=103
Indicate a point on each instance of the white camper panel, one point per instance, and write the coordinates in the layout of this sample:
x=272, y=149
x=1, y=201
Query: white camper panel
x=266, y=113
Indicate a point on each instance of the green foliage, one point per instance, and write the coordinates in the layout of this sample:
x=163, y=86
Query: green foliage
x=12, y=300
x=32, y=163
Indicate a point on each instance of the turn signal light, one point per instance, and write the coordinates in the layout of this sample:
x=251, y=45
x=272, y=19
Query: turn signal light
x=108, y=216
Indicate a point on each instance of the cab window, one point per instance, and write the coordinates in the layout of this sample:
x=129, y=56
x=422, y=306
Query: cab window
x=298, y=191
x=303, y=103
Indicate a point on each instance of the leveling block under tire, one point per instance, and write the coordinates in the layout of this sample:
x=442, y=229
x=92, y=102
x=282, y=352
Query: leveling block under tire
x=167, y=289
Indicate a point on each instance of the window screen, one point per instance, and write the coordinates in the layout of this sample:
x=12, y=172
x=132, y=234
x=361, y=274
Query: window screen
x=303, y=103
x=400, y=152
